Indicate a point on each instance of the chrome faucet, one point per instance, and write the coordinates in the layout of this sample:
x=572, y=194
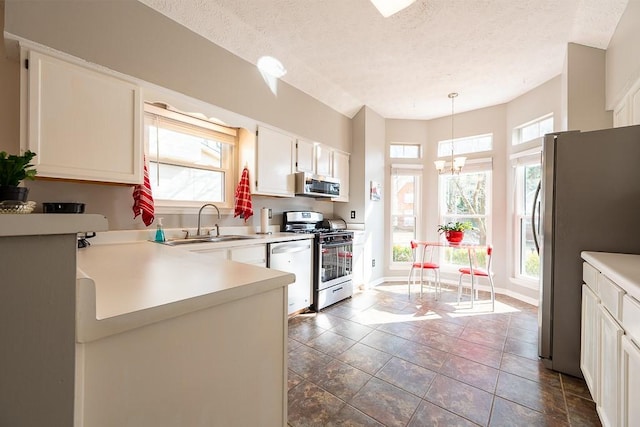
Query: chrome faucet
x=200, y=214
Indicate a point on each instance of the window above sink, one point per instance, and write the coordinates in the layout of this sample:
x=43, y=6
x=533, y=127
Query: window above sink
x=190, y=159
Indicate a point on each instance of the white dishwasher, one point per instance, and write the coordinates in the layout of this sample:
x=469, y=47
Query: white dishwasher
x=295, y=257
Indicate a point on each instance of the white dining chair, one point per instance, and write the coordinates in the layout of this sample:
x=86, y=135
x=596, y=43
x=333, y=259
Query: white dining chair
x=422, y=255
x=478, y=272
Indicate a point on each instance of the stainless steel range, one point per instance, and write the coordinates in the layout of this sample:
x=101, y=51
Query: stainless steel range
x=332, y=266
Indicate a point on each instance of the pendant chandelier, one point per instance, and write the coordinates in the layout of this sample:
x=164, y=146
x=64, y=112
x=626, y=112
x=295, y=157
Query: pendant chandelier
x=457, y=163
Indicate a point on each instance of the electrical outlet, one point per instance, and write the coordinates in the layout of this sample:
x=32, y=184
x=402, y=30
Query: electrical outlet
x=270, y=214
x=373, y=263
x=353, y=214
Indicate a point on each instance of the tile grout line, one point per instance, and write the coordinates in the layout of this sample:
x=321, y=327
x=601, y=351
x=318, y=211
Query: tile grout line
x=392, y=303
x=564, y=398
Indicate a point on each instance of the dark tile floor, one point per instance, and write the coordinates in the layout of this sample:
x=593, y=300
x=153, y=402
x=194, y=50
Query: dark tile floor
x=382, y=359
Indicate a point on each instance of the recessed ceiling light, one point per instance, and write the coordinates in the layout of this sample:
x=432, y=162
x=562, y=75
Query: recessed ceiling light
x=389, y=7
x=271, y=66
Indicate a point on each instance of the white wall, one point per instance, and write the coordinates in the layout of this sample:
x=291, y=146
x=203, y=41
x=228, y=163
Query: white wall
x=367, y=164
x=623, y=56
x=539, y=102
x=585, y=89
x=375, y=172
x=483, y=121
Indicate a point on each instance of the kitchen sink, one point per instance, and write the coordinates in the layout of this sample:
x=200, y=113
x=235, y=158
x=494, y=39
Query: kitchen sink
x=208, y=239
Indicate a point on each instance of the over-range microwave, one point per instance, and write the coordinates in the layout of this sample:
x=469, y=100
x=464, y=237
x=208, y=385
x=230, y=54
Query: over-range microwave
x=316, y=185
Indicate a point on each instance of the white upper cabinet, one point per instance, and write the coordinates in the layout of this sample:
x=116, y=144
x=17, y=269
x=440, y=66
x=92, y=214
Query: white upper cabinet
x=305, y=156
x=627, y=112
x=635, y=106
x=323, y=160
x=341, y=171
x=83, y=124
x=318, y=159
x=274, y=158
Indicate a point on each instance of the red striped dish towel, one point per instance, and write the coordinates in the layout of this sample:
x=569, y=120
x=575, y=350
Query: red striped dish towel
x=142, y=199
x=243, y=205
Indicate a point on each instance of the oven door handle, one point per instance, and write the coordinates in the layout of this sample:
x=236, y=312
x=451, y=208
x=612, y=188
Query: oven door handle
x=336, y=245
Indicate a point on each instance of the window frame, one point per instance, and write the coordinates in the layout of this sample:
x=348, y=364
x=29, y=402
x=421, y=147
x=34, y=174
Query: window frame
x=443, y=150
x=227, y=136
x=517, y=139
x=405, y=145
x=476, y=166
x=521, y=160
x=416, y=170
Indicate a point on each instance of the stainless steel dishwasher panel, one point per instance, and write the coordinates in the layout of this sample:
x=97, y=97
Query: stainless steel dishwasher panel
x=295, y=257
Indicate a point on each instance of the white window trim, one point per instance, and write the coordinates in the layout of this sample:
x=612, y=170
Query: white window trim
x=412, y=144
x=481, y=165
x=418, y=201
x=462, y=139
x=530, y=157
x=226, y=135
x=516, y=138
x=527, y=157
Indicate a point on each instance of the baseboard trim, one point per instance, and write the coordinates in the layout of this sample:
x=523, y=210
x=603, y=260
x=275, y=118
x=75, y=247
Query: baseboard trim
x=451, y=283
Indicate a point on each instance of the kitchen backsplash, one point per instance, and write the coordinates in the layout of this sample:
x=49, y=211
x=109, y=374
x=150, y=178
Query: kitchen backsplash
x=115, y=202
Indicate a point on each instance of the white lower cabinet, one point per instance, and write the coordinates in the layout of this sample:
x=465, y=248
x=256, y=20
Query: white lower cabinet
x=610, y=355
x=589, y=340
x=295, y=257
x=608, y=403
x=630, y=384
x=254, y=254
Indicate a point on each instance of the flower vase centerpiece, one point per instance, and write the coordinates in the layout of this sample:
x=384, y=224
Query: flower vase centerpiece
x=454, y=231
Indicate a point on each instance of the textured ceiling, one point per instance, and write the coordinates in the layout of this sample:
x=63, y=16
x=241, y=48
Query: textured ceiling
x=345, y=54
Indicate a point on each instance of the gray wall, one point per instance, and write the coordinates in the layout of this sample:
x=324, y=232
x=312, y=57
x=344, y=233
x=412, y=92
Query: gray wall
x=10, y=99
x=129, y=37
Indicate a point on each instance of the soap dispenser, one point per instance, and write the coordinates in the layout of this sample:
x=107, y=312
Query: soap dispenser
x=160, y=232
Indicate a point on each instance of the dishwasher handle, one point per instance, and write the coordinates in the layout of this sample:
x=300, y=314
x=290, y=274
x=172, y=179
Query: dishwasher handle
x=287, y=248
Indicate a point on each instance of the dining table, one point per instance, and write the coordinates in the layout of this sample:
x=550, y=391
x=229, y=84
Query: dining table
x=471, y=249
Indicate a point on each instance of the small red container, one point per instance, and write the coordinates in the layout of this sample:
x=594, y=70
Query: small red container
x=454, y=236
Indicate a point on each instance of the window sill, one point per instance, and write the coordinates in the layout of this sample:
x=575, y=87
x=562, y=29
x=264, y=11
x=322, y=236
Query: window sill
x=161, y=209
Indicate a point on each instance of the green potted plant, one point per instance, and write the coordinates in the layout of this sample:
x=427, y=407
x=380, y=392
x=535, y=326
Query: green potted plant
x=454, y=231
x=13, y=170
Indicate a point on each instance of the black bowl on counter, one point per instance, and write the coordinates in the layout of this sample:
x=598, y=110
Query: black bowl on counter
x=63, y=207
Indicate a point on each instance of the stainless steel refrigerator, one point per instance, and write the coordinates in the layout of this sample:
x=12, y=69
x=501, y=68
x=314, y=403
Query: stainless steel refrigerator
x=589, y=201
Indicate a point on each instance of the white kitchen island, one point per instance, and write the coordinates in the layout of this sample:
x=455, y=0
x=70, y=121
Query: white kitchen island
x=156, y=337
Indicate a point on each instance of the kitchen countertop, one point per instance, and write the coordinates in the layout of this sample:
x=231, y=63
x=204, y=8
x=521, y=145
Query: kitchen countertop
x=128, y=236
x=125, y=281
x=623, y=269
x=50, y=224
x=124, y=286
